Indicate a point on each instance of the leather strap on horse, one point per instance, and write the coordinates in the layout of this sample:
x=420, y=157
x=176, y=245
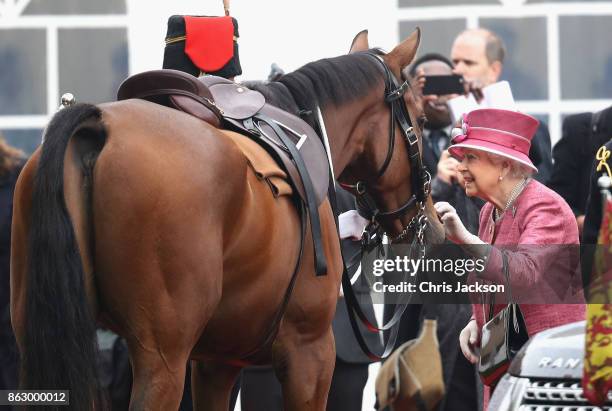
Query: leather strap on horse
x=354, y=308
x=313, y=212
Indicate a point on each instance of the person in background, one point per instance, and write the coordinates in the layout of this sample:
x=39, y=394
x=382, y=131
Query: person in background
x=446, y=182
x=574, y=154
x=11, y=162
x=436, y=130
x=478, y=55
x=493, y=147
x=593, y=216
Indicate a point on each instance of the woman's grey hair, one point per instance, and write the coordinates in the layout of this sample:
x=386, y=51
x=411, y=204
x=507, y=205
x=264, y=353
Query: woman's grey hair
x=517, y=169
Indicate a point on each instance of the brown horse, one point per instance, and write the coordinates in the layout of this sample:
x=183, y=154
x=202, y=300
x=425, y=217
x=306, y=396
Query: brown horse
x=151, y=222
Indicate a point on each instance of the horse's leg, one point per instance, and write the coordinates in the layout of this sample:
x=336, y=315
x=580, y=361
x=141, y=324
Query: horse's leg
x=158, y=380
x=305, y=370
x=304, y=352
x=211, y=385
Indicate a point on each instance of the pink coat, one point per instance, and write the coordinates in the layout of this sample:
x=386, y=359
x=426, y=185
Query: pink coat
x=538, y=222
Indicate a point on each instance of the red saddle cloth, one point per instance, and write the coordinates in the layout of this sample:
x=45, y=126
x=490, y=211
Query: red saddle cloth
x=209, y=41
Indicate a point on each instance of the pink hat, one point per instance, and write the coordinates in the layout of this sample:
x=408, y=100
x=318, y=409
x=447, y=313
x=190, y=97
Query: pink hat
x=502, y=132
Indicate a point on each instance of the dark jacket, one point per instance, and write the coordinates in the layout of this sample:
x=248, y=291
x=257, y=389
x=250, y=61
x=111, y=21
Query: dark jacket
x=592, y=220
x=434, y=142
x=574, y=155
x=540, y=153
x=7, y=186
x=9, y=363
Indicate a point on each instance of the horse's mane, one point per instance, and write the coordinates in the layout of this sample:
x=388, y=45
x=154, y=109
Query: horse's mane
x=332, y=81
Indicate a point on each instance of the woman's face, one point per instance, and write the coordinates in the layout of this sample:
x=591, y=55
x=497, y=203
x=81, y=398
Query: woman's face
x=480, y=176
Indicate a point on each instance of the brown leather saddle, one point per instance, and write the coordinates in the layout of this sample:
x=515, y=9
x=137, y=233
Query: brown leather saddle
x=227, y=105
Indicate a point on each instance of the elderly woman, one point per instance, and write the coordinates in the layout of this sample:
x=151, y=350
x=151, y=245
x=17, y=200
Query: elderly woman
x=521, y=214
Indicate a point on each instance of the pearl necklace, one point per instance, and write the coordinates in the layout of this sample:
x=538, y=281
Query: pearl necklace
x=516, y=191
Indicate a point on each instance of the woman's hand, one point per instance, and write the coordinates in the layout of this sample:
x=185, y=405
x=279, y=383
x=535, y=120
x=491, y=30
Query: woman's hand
x=467, y=341
x=454, y=228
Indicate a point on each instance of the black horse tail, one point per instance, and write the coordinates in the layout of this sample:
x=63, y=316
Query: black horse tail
x=59, y=345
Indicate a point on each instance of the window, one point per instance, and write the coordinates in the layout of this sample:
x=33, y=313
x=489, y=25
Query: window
x=437, y=36
x=419, y=3
x=561, y=1
x=54, y=7
x=525, y=65
x=96, y=77
x=586, y=57
x=23, y=74
x=49, y=47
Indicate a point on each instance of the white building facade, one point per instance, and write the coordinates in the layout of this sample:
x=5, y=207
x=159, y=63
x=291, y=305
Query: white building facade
x=559, y=57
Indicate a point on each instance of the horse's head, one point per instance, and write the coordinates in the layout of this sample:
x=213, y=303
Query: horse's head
x=374, y=119
x=387, y=173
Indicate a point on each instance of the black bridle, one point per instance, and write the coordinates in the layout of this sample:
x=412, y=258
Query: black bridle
x=421, y=179
x=372, y=236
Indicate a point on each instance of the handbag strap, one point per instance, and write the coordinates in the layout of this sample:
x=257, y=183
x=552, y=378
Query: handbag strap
x=511, y=304
x=506, y=272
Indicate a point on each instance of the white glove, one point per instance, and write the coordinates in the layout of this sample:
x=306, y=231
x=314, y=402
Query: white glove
x=351, y=225
x=454, y=228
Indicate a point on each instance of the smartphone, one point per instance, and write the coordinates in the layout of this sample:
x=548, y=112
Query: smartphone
x=441, y=85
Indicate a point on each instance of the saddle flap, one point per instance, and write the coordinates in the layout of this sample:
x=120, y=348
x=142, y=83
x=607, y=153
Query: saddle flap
x=308, y=144
x=235, y=100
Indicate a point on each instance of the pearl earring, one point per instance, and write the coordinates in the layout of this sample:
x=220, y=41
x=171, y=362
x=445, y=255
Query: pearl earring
x=500, y=178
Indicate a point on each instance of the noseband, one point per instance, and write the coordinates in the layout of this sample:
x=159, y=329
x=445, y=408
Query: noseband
x=421, y=179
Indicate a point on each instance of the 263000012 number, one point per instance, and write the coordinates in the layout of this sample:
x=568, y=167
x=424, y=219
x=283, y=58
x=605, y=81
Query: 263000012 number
x=34, y=397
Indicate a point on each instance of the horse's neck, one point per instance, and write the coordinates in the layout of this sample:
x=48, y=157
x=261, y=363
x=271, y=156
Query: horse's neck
x=339, y=122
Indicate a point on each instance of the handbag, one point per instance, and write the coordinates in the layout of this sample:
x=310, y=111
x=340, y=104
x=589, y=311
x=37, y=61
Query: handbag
x=502, y=336
x=203, y=45
x=411, y=378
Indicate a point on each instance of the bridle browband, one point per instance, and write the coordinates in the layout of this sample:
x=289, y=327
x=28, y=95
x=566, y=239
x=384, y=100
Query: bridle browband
x=421, y=179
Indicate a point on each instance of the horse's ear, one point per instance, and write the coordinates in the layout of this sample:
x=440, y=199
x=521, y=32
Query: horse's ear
x=360, y=42
x=404, y=52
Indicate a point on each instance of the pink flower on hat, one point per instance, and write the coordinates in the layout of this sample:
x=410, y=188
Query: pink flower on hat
x=460, y=134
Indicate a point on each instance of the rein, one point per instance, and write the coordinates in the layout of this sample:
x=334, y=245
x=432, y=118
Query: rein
x=366, y=205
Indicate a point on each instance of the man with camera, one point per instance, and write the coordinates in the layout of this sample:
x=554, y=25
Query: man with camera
x=437, y=85
x=431, y=72
x=478, y=56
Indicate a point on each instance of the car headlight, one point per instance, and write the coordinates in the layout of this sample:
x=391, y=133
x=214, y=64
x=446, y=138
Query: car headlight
x=508, y=394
